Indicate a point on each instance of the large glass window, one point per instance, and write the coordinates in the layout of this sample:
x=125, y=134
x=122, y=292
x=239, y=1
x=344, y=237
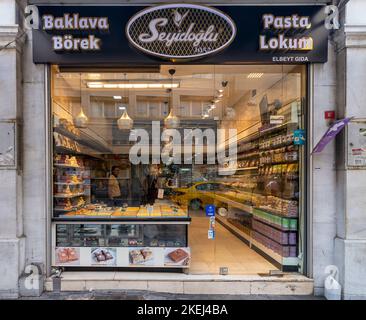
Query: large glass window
x=252, y=117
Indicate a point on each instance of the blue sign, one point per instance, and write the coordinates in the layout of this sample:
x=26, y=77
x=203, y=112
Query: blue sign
x=210, y=210
x=299, y=137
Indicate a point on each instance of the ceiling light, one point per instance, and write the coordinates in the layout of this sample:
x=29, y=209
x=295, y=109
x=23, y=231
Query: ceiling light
x=132, y=85
x=95, y=85
x=117, y=97
x=122, y=108
x=125, y=122
x=125, y=86
x=110, y=86
x=254, y=75
x=220, y=90
x=94, y=76
x=220, y=95
x=171, y=85
x=171, y=121
x=81, y=120
x=156, y=86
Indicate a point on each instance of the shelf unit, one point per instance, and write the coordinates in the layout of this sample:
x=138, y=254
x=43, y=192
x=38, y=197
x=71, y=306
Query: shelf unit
x=267, y=227
x=83, y=139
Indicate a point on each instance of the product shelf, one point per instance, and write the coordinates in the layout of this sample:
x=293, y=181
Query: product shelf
x=259, y=210
x=235, y=204
x=83, y=139
x=280, y=260
x=69, y=183
x=275, y=128
x=64, y=165
x=128, y=220
x=277, y=226
x=281, y=237
x=67, y=196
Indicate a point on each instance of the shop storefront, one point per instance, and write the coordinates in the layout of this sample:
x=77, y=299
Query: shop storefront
x=169, y=147
x=178, y=135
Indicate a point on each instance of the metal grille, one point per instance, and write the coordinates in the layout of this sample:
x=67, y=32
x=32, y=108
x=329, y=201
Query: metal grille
x=181, y=49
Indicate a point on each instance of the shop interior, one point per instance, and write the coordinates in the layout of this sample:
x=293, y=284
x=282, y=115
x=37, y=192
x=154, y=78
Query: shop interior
x=104, y=201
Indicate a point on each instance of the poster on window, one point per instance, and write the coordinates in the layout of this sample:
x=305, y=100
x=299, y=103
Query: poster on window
x=67, y=256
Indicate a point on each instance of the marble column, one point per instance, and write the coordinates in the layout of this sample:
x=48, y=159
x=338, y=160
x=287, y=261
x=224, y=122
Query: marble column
x=350, y=241
x=11, y=224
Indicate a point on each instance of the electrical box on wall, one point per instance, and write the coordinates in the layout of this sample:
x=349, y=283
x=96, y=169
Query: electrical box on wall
x=8, y=145
x=356, y=143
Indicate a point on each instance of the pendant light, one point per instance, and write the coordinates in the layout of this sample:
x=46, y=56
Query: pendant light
x=125, y=122
x=81, y=120
x=171, y=121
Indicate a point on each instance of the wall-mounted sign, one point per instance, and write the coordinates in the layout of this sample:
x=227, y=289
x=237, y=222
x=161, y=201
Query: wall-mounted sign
x=330, y=134
x=276, y=119
x=299, y=137
x=180, y=31
x=177, y=33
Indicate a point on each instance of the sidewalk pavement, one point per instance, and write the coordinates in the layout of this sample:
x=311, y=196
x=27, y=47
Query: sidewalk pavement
x=146, y=295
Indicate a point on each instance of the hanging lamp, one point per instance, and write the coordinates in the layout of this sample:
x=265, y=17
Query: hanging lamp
x=81, y=120
x=171, y=121
x=125, y=122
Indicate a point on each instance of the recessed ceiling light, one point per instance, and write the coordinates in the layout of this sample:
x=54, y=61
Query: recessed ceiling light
x=131, y=85
x=117, y=97
x=254, y=75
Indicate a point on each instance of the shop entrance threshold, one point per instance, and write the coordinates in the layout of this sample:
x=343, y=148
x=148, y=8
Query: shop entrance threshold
x=178, y=283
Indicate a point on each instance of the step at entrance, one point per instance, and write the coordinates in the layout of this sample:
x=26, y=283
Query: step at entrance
x=288, y=284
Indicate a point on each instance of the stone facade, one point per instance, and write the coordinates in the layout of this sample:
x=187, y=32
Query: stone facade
x=336, y=218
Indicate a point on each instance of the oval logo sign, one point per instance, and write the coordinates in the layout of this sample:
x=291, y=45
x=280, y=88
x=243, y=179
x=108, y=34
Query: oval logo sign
x=180, y=31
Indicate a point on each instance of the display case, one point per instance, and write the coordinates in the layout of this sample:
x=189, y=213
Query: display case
x=133, y=243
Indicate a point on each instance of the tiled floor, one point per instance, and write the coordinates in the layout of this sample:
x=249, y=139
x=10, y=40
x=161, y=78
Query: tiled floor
x=225, y=251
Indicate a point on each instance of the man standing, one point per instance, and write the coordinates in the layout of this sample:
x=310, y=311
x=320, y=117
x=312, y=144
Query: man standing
x=114, y=191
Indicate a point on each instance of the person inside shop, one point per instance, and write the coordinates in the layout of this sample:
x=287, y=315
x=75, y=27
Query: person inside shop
x=152, y=191
x=114, y=190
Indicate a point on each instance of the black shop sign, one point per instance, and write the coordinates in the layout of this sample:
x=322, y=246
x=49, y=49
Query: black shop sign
x=179, y=33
